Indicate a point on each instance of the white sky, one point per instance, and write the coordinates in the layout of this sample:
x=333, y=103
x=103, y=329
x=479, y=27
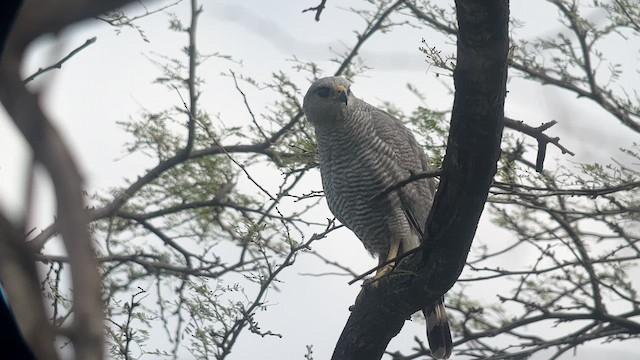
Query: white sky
x=112, y=81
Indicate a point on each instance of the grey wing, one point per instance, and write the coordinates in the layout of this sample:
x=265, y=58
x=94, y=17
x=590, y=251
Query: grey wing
x=416, y=197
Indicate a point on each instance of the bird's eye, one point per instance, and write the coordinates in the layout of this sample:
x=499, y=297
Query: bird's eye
x=323, y=91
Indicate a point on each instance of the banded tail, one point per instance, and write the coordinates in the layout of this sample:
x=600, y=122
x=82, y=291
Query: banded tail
x=438, y=331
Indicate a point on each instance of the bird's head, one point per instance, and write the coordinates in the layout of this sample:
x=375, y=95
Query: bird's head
x=326, y=99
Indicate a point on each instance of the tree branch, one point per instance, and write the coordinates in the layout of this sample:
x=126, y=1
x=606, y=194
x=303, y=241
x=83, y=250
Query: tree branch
x=408, y=180
x=538, y=134
x=58, y=65
x=318, y=9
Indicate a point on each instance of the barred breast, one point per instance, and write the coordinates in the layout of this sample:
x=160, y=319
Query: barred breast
x=356, y=165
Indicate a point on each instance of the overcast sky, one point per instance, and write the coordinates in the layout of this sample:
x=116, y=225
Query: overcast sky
x=111, y=81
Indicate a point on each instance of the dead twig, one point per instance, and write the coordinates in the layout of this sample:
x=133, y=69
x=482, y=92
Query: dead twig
x=318, y=9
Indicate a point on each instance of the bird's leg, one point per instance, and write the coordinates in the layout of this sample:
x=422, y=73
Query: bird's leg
x=384, y=270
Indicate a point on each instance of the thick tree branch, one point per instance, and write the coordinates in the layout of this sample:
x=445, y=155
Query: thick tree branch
x=34, y=19
x=469, y=166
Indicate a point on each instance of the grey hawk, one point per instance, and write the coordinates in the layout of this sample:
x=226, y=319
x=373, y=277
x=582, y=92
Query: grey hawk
x=363, y=150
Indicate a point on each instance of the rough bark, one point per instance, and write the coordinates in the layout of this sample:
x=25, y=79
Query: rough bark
x=469, y=166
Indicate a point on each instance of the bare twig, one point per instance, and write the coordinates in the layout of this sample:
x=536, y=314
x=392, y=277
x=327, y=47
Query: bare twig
x=408, y=180
x=395, y=260
x=545, y=191
x=538, y=134
x=58, y=65
x=372, y=27
x=318, y=9
x=128, y=21
x=247, y=106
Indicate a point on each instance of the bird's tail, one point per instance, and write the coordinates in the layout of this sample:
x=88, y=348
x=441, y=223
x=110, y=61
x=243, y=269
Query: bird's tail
x=438, y=331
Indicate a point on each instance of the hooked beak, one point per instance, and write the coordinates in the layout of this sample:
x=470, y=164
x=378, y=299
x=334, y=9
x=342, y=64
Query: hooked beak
x=342, y=93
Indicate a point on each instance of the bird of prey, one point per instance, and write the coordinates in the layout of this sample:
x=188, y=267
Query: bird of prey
x=364, y=150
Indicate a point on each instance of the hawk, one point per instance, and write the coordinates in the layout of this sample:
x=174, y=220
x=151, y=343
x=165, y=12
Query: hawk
x=363, y=150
